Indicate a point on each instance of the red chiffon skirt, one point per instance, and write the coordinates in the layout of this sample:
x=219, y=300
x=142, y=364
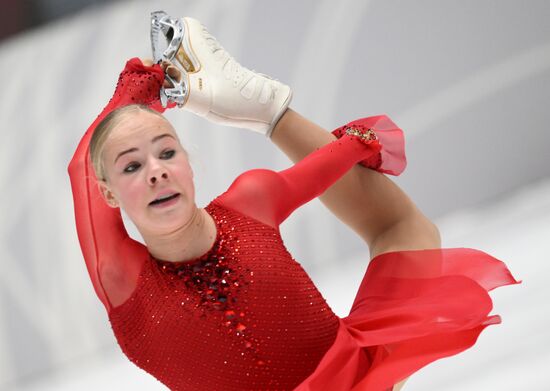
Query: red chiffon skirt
x=412, y=308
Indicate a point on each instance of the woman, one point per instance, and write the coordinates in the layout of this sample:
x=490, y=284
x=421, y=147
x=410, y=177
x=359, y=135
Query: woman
x=214, y=301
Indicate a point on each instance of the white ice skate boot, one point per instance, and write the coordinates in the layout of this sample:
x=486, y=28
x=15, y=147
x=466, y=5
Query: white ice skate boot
x=214, y=85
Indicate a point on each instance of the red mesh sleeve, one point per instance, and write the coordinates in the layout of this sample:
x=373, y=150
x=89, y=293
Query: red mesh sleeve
x=391, y=159
x=270, y=196
x=112, y=258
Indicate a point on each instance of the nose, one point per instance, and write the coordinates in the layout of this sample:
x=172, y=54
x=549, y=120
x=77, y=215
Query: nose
x=153, y=179
x=156, y=174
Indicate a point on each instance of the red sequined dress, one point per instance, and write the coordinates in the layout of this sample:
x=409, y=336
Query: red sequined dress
x=245, y=315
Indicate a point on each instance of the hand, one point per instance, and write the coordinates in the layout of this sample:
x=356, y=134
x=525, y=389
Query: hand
x=172, y=71
x=147, y=62
x=168, y=68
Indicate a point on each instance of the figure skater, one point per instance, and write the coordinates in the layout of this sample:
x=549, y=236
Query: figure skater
x=213, y=300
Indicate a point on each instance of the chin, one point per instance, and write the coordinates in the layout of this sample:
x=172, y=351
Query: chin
x=167, y=223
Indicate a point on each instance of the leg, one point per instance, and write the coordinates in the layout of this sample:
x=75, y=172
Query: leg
x=377, y=209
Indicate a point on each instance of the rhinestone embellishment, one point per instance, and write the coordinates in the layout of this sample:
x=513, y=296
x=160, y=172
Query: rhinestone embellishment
x=216, y=282
x=365, y=135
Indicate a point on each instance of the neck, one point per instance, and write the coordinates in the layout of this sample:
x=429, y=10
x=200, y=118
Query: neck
x=187, y=242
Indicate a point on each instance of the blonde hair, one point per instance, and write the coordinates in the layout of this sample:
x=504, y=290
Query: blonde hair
x=104, y=129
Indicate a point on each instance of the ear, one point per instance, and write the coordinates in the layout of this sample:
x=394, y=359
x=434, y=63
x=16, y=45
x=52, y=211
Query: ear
x=107, y=194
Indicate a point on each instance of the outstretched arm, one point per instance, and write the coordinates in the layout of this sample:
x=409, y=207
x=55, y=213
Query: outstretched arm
x=271, y=196
x=111, y=256
x=367, y=201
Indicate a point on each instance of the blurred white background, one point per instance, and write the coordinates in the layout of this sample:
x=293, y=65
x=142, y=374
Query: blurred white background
x=468, y=81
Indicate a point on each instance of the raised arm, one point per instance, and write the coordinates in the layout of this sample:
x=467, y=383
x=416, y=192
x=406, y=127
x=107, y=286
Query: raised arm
x=112, y=258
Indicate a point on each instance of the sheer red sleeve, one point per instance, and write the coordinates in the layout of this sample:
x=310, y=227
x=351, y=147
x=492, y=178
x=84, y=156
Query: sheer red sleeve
x=112, y=258
x=391, y=159
x=270, y=196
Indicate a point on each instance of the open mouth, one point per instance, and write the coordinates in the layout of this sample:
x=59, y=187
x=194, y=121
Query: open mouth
x=162, y=200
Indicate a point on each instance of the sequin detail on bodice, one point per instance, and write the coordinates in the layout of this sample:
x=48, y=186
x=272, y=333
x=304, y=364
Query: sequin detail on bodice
x=244, y=316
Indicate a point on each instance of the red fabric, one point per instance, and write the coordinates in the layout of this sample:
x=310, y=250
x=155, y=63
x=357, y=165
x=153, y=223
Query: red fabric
x=265, y=328
x=113, y=259
x=246, y=315
x=412, y=308
x=271, y=196
x=392, y=159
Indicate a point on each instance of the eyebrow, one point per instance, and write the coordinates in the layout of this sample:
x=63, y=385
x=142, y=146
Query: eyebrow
x=156, y=138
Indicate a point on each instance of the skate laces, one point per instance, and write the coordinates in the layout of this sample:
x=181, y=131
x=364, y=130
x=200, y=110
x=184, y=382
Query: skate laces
x=232, y=69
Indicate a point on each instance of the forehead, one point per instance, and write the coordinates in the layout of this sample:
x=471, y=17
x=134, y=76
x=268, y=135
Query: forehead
x=137, y=129
x=133, y=125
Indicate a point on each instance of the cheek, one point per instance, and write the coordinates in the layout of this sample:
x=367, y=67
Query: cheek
x=183, y=171
x=186, y=174
x=132, y=189
x=135, y=191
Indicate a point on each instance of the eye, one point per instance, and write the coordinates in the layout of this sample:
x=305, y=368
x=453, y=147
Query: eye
x=131, y=167
x=169, y=154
